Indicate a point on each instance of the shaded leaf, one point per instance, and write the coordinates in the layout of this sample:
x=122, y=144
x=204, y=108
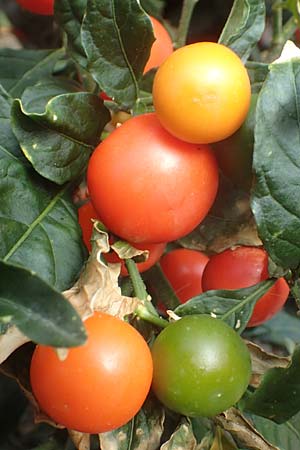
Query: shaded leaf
x=39, y=226
x=8, y=141
x=282, y=330
x=286, y=436
x=257, y=72
x=233, y=306
x=69, y=15
x=35, y=98
x=38, y=310
x=22, y=68
x=143, y=432
x=244, y=26
x=276, y=163
x=57, y=147
x=272, y=399
x=117, y=38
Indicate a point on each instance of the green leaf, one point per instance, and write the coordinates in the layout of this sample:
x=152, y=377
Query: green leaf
x=58, y=143
x=117, y=37
x=8, y=141
x=233, y=306
x=182, y=438
x=35, y=98
x=22, y=68
x=69, y=15
x=244, y=26
x=39, y=226
x=282, y=330
x=278, y=395
x=285, y=436
x=276, y=161
x=38, y=310
x=143, y=432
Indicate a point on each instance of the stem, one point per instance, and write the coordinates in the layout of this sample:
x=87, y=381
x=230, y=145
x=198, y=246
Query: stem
x=184, y=22
x=136, y=279
x=143, y=313
x=289, y=28
x=277, y=26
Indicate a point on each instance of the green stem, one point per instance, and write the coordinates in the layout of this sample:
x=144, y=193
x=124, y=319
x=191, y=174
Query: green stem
x=136, y=279
x=277, y=26
x=146, y=310
x=184, y=22
x=143, y=313
x=289, y=28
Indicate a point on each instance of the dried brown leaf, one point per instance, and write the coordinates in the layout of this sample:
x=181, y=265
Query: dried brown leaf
x=242, y=430
x=263, y=361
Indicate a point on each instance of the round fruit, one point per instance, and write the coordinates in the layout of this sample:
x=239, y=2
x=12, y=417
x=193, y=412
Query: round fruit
x=149, y=187
x=161, y=48
x=183, y=268
x=201, y=366
x=43, y=7
x=100, y=385
x=202, y=92
x=243, y=267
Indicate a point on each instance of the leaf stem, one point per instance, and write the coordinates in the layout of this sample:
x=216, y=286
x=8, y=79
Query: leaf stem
x=146, y=310
x=277, y=26
x=184, y=22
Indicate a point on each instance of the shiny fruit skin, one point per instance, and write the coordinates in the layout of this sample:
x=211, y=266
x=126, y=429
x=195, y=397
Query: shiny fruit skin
x=202, y=93
x=100, y=385
x=201, y=366
x=149, y=187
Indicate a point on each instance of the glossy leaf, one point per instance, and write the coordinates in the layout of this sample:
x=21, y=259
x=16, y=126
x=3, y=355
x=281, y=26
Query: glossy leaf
x=233, y=306
x=39, y=226
x=59, y=141
x=38, y=310
x=117, y=37
x=276, y=162
x=244, y=26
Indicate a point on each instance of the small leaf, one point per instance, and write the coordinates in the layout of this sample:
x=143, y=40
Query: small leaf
x=276, y=163
x=272, y=399
x=244, y=26
x=57, y=147
x=38, y=310
x=117, y=38
x=69, y=15
x=39, y=225
x=233, y=306
x=22, y=68
x=143, y=432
